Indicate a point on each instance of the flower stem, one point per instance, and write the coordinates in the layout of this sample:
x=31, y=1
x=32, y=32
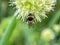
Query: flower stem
x=28, y=32
x=54, y=19
x=8, y=32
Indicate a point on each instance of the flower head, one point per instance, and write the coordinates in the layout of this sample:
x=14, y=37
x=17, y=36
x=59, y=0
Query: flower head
x=56, y=28
x=37, y=7
x=47, y=34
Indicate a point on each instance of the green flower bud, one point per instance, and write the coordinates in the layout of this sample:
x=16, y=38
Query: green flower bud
x=47, y=34
x=56, y=28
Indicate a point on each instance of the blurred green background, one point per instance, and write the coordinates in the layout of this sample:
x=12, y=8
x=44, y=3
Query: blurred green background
x=18, y=36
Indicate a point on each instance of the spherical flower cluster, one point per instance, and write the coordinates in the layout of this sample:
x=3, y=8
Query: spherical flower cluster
x=56, y=28
x=37, y=7
x=47, y=34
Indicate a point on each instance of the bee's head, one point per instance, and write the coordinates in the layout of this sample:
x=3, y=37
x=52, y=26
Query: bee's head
x=30, y=17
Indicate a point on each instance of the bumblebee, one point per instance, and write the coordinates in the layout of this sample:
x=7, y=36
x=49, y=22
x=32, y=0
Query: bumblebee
x=30, y=19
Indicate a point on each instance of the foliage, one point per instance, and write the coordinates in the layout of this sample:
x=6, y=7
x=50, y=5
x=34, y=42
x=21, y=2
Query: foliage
x=14, y=31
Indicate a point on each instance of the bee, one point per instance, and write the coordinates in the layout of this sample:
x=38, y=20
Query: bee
x=30, y=19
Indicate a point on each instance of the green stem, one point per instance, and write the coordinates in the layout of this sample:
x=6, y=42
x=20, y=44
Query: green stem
x=0, y=11
x=28, y=32
x=54, y=19
x=6, y=36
